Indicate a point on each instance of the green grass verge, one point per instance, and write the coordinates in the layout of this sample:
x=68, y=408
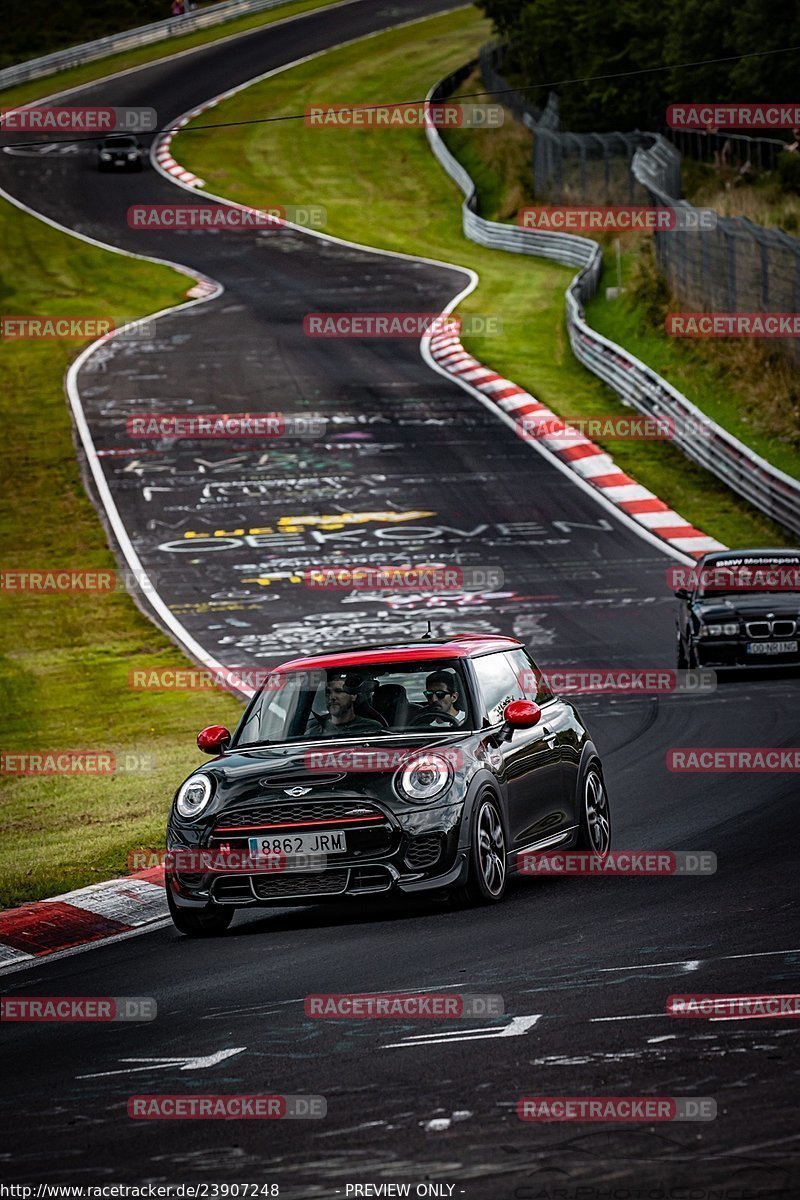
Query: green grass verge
x=64, y=659
x=25, y=93
x=384, y=188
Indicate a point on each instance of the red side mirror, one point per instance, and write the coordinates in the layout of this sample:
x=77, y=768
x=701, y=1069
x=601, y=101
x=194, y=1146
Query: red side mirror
x=214, y=739
x=522, y=714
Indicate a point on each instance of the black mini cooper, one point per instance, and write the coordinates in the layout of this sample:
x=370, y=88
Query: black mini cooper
x=425, y=767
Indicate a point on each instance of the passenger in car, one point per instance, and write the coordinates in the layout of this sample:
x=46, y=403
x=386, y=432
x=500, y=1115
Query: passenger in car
x=342, y=720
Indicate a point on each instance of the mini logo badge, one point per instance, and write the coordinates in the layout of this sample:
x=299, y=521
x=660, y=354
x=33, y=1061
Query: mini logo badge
x=296, y=791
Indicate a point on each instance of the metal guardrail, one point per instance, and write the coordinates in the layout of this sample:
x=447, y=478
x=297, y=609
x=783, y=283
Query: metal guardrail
x=703, y=441
x=144, y=35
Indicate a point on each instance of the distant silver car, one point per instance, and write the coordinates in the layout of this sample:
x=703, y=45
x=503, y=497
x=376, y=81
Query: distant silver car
x=120, y=152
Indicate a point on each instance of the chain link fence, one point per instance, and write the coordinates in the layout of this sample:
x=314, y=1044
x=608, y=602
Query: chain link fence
x=736, y=150
x=736, y=267
x=569, y=168
x=700, y=438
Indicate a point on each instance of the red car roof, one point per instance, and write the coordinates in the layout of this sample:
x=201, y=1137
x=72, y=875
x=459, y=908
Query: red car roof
x=466, y=645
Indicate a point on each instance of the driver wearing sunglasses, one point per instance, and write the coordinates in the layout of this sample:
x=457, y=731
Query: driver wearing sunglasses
x=441, y=693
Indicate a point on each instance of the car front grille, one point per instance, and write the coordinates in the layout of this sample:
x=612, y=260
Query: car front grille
x=285, y=779
x=763, y=629
x=424, y=851
x=300, y=883
x=266, y=815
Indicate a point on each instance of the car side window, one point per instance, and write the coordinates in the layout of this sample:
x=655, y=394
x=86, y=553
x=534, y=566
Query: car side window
x=529, y=676
x=498, y=684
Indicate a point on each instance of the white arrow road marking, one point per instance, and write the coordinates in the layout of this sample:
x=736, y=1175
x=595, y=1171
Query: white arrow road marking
x=516, y=1027
x=187, y=1063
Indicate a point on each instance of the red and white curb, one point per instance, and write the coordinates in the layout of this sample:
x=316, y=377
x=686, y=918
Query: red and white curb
x=589, y=461
x=91, y=914
x=203, y=288
x=162, y=155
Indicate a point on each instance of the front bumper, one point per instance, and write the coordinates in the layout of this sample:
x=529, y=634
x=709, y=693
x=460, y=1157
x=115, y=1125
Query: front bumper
x=303, y=887
x=719, y=653
x=412, y=852
x=119, y=164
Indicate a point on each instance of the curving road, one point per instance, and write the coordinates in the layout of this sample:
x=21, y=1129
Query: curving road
x=411, y=469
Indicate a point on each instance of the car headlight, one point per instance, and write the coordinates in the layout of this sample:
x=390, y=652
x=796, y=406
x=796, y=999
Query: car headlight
x=730, y=629
x=424, y=778
x=193, y=796
x=131, y=155
x=106, y=157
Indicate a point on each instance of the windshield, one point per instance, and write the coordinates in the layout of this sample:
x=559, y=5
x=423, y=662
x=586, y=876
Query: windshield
x=120, y=143
x=358, y=702
x=741, y=579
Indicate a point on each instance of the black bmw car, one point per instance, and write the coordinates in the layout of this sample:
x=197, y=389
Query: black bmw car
x=120, y=152
x=742, y=609
x=425, y=767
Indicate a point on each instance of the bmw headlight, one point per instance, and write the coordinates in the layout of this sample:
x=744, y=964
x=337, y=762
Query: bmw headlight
x=106, y=157
x=193, y=796
x=730, y=629
x=424, y=778
x=131, y=156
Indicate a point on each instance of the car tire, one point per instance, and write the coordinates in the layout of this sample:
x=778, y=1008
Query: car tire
x=595, y=813
x=488, y=873
x=210, y=921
